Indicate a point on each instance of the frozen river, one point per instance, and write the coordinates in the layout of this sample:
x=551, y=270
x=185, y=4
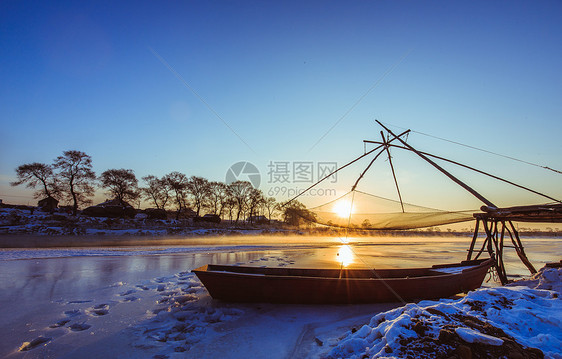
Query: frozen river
x=110, y=290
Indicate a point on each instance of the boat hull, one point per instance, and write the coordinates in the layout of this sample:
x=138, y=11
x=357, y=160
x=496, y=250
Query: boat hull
x=320, y=286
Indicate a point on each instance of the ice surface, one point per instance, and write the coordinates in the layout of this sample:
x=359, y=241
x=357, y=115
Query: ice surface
x=144, y=303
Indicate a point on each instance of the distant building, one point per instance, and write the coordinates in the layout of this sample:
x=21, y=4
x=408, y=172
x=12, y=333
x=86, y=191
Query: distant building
x=48, y=204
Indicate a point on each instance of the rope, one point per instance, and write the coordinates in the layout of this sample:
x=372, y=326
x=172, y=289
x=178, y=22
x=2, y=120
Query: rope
x=480, y=149
x=346, y=243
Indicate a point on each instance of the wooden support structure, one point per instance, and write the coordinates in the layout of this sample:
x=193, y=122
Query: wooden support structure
x=499, y=221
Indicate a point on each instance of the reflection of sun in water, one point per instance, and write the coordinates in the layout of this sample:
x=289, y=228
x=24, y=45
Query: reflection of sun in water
x=345, y=255
x=343, y=208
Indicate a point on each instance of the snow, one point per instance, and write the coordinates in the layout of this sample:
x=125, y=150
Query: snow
x=451, y=270
x=22, y=221
x=474, y=336
x=530, y=316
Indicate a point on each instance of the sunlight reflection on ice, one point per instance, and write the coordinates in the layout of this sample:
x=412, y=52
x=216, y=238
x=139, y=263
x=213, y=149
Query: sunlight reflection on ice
x=345, y=256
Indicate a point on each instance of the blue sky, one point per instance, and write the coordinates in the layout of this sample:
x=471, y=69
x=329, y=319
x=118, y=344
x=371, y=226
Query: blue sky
x=87, y=76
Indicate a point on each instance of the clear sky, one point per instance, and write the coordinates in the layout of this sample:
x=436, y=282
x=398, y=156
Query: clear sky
x=264, y=81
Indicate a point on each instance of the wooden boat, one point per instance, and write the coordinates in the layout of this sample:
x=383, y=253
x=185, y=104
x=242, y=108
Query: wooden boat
x=333, y=286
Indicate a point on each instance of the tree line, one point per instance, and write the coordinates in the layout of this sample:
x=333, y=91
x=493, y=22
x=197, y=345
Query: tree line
x=70, y=178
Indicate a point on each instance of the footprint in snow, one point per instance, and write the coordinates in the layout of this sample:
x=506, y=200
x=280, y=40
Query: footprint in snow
x=78, y=327
x=99, y=310
x=34, y=343
x=130, y=298
x=79, y=301
x=130, y=291
x=59, y=324
x=141, y=286
x=72, y=313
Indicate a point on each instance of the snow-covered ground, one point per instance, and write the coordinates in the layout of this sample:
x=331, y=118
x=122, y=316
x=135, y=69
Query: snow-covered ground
x=14, y=221
x=181, y=320
x=510, y=322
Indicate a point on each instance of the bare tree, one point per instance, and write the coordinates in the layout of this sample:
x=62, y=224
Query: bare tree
x=199, y=189
x=121, y=184
x=229, y=204
x=271, y=206
x=254, y=200
x=38, y=174
x=77, y=177
x=239, y=191
x=217, y=197
x=157, y=191
x=177, y=182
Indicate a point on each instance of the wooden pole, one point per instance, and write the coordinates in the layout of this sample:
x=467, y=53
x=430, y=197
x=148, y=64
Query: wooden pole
x=473, y=169
x=342, y=167
x=489, y=234
x=521, y=251
x=474, y=238
x=453, y=178
x=393, y=173
x=366, y=169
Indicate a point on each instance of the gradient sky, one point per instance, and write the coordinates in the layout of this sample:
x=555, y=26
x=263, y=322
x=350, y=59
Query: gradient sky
x=91, y=76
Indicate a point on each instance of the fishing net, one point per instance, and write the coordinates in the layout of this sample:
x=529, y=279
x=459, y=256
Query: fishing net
x=362, y=210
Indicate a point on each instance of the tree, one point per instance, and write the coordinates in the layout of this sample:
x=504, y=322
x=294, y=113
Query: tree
x=77, y=177
x=295, y=213
x=199, y=189
x=271, y=206
x=38, y=174
x=239, y=191
x=254, y=200
x=156, y=191
x=217, y=197
x=229, y=204
x=177, y=182
x=122, y=184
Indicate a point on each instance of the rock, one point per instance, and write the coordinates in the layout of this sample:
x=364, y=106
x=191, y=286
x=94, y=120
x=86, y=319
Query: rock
x=464, y=352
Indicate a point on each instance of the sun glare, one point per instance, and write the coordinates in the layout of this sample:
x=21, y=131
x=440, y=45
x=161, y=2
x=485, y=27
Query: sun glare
x=345, y=255
x=343, y=209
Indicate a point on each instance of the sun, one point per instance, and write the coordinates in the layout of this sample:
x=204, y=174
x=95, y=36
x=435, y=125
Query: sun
x=345, y=256
x=343, y=209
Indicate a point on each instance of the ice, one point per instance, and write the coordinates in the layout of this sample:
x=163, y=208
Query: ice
x=181, y=320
